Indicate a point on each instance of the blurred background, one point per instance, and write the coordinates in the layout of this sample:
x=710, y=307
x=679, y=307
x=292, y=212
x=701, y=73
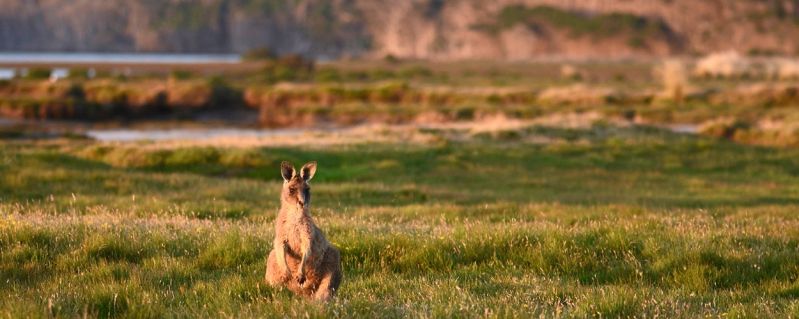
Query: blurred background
x=112, y=69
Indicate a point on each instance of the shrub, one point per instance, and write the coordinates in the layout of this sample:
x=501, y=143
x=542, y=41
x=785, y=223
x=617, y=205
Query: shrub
x=390, y=58
x=106, y=93
x=258, y=54
x=570, y=72
x=415, y=72
x=722, y=64
x=292, y=67
x=223, y=94
x=189, y=94
x=328, y=75
x=392, y=92
x=379, y=74
x=674, y=79
x=75, y=91
x=181, y=74
x=356, y=76
x=78, y=73
x=788, y=69
x=38, y=74
x=725, y=127
x=575, y=94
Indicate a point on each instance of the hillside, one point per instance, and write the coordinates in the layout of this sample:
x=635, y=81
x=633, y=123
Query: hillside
x=437, y=29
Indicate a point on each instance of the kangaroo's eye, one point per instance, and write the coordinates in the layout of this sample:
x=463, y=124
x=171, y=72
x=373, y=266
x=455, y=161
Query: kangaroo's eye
x=292, y=190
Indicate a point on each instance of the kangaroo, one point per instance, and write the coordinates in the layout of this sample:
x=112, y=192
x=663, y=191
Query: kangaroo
x=301, y=258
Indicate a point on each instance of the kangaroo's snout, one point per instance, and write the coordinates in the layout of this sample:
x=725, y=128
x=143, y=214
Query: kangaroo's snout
x=303, y=197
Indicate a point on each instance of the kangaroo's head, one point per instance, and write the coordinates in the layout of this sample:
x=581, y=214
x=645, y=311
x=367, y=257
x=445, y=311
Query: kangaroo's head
x=296, y=191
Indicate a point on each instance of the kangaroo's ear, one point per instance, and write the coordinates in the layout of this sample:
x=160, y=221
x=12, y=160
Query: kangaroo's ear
x=287, y=170
x=308, y=170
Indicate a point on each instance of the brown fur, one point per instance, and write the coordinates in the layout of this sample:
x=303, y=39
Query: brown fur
x=296, y=236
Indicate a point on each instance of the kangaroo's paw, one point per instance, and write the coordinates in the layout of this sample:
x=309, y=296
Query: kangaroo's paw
x=301, y=279
x=308, y=284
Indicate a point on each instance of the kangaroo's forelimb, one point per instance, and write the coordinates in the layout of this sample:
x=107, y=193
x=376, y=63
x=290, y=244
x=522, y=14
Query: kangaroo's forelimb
x=281, y=256
x=305, y=250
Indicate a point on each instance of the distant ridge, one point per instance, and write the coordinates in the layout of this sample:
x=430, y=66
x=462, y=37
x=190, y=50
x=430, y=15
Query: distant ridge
x=430, y=29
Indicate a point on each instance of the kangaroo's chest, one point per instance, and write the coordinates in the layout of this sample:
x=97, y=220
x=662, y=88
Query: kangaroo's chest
x=297, y=234
x=294, y=233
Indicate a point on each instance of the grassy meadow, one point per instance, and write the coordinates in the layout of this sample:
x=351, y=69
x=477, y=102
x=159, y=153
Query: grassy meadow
x=597, y=221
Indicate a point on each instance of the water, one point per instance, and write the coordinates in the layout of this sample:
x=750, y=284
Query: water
x=196, y=134
x=684, y=128
x=7, y=74
x=127, y=135
x=123, y=58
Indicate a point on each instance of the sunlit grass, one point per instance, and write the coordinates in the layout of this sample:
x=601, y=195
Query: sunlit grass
x=604, y=222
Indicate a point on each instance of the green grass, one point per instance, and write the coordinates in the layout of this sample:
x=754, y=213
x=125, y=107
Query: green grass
x=605, y=222
x=577, y=24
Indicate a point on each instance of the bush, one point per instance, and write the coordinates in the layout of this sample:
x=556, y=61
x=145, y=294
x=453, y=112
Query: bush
x=392, y=92
x=292, y=67
x=725, y=128
x=38, y=74
x=674, y=78
x=728, y=64
x=258, y=54
x=222, y=94
x=328, y=75
x=380, y=74
x=415, y=72
x=181, y=74
x=106, y=94
x=189, y=94
x=390, y=58
x=75, y=91
x=78, y=73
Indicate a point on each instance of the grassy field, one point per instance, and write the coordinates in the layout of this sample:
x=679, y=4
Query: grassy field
x=537, y=221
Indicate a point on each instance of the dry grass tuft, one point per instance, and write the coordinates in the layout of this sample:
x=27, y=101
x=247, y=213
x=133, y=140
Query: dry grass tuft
x=727, y=64
x=788, y=69
x=674, y=77
x=570, y=72
x=578, y=94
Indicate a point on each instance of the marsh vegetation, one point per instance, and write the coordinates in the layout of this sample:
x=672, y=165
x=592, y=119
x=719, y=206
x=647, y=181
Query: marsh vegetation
x=746, y=99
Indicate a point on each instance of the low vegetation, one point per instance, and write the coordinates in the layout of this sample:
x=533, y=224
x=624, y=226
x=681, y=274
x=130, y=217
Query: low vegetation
x=288, y=90
x=602, y=221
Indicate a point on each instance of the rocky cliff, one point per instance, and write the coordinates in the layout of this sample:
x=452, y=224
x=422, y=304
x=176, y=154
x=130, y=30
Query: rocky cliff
x=434, y=29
